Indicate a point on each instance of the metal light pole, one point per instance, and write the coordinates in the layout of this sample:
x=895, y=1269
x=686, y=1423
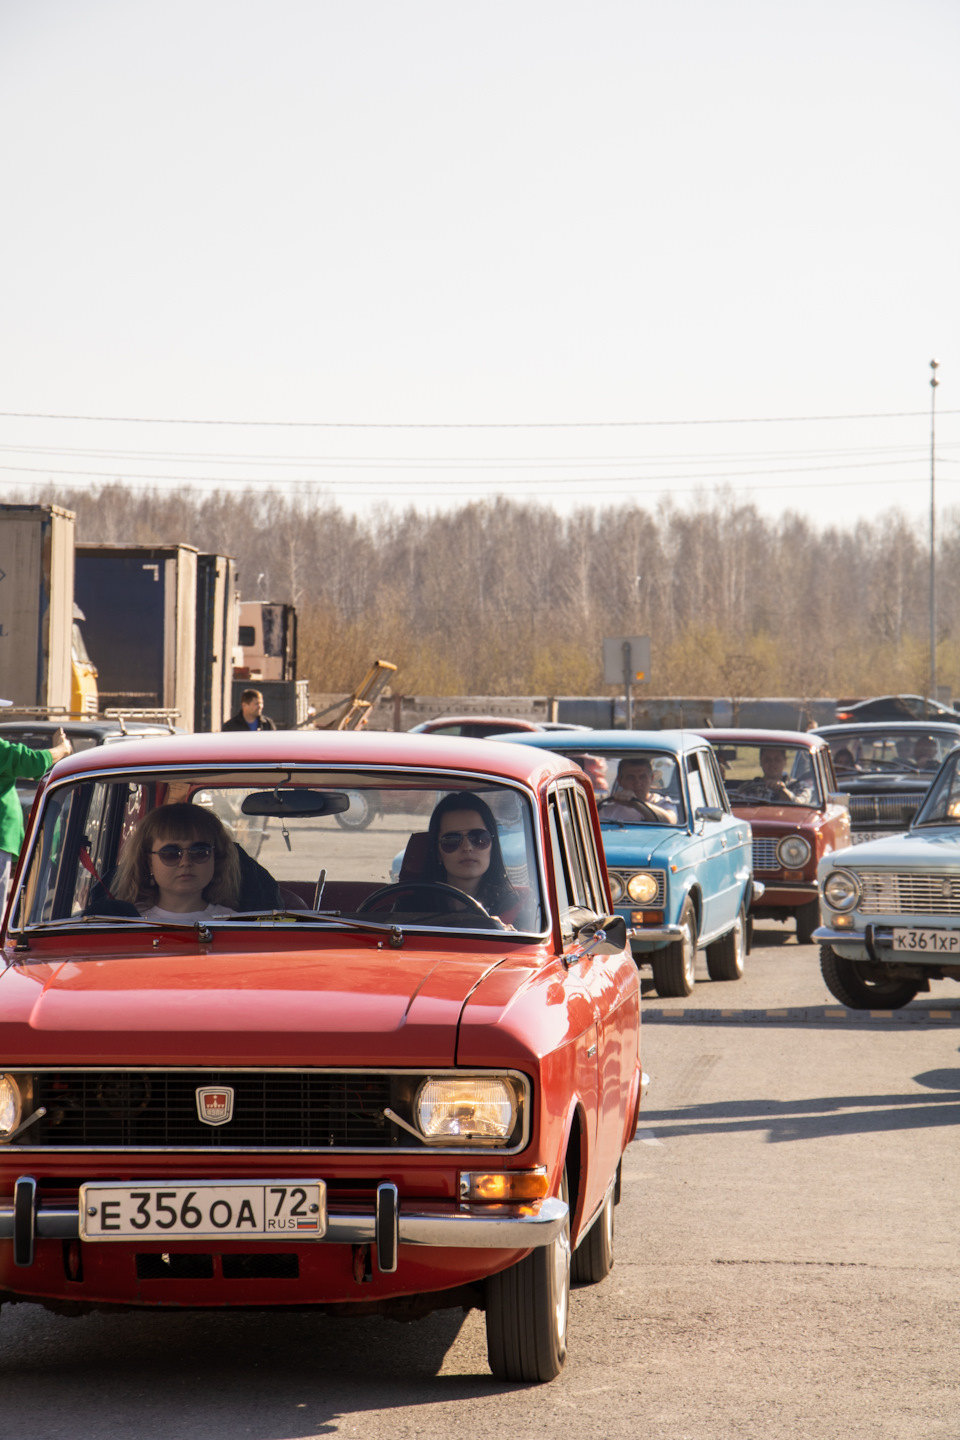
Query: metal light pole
x=934, y=382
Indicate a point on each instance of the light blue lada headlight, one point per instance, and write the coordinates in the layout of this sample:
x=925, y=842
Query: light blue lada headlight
x=841, y=890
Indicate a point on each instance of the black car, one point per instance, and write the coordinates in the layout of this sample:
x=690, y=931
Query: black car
x=895, y=707
x=886, y=770
x=82, y=734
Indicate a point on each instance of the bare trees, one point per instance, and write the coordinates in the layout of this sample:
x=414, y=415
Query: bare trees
x=501, y=597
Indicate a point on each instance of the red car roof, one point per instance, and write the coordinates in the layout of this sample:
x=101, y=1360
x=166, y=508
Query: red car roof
x=323, y=747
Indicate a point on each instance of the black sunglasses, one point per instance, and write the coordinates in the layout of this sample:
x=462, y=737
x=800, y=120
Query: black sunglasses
x=479, y=839
x=170, y=854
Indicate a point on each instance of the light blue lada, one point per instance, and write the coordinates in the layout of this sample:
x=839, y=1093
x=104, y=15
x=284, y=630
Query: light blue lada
x=890, y=909
x=680, y=863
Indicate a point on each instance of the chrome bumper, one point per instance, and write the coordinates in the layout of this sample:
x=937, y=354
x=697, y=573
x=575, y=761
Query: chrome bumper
x=875, y=943
x=469, y=1227
x=655, y=933
x=791, y=887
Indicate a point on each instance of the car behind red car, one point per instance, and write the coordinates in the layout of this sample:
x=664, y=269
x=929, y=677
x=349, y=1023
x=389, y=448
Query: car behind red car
x=783, y=782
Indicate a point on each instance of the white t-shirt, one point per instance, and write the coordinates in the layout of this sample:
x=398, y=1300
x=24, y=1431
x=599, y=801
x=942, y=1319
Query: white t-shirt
x=187, y=917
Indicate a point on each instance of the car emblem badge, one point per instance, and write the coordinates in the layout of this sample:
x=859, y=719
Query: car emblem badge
x=215, y=1104
x=946, y=889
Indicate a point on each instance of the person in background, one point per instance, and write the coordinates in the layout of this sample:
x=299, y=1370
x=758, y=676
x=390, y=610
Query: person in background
x=595, y=767
x=633, y=799
x=20, y=762
x=925, y=753
x=774, y=785
x=250, y=716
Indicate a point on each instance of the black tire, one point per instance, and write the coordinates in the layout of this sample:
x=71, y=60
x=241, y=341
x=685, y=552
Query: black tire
x=862, y=986
x=527, y=1310
x=725, y=957
x=808, y=918
x=360, y=814
x=673, y=966
x=592, y=1260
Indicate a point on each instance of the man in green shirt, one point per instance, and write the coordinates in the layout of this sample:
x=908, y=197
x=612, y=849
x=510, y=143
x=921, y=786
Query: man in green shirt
x=20, y=762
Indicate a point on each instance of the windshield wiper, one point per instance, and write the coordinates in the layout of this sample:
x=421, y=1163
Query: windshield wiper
x=324, y=918
x=99, y=920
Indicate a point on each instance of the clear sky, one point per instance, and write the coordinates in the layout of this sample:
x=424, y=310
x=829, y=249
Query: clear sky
x=522, y=248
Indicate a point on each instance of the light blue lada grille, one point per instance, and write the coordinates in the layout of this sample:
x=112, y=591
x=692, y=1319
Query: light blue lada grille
x=888, y=892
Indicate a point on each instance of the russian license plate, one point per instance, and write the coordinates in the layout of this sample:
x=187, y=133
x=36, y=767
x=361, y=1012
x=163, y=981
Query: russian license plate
x=192, y=1210
x=927, y=942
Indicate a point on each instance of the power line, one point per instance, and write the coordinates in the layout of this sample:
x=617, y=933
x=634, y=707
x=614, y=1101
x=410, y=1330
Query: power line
x=463, y=425
x=428, y=481
x=910, y=452
x=602, y=485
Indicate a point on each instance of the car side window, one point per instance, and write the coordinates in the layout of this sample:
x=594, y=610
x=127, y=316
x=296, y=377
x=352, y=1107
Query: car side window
x=718, y=784
x=91, y=861
x=711, y=789
x=577, y=881
x=557, y=859
x=591, y=862
x=695, y=785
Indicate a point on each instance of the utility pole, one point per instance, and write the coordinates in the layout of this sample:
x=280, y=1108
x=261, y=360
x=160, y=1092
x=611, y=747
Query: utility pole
x=934, y=382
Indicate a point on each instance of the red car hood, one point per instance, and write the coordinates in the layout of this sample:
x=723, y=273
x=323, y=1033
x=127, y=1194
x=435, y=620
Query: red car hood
x=292, y=1007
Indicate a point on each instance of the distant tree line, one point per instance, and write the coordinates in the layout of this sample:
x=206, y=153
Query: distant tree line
x=503, y=598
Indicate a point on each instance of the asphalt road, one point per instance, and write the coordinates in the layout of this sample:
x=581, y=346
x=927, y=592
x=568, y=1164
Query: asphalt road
x=786, y=1267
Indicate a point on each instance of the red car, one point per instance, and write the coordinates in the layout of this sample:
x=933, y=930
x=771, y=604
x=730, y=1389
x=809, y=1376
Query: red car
x=284, y=1082
x=481, y=726
x=783, y=782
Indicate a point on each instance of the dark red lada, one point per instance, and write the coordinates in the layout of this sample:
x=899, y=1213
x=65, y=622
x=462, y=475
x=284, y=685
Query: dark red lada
x=288, y=1080
x=783, y=782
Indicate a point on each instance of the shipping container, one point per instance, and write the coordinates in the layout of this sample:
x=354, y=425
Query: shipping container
x=140, y=608
x=217, y=620
x=36, y=605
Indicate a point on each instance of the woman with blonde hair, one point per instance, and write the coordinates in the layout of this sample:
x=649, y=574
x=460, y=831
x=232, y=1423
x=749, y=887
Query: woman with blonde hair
x=179, y=865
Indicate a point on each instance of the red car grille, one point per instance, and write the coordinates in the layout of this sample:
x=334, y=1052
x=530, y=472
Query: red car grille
x=271, y=1110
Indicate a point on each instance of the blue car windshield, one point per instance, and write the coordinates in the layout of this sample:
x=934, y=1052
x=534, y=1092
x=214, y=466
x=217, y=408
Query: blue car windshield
x=637, y=787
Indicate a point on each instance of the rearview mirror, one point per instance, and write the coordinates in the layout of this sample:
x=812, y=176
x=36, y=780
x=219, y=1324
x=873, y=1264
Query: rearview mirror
x=296, y=804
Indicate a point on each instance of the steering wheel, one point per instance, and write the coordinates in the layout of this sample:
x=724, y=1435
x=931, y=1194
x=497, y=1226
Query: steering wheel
x=440, y=899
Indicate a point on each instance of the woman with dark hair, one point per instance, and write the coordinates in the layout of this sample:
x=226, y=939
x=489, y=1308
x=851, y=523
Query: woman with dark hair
x=179, y=865
x=463, y=850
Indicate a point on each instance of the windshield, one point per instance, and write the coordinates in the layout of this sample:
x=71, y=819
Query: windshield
x=331, y=847
x=868, y=752
x=768, y=774
x=636, y=787
x=942, y=805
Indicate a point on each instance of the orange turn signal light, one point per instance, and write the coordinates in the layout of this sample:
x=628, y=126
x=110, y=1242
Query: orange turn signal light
x=504, y=1187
